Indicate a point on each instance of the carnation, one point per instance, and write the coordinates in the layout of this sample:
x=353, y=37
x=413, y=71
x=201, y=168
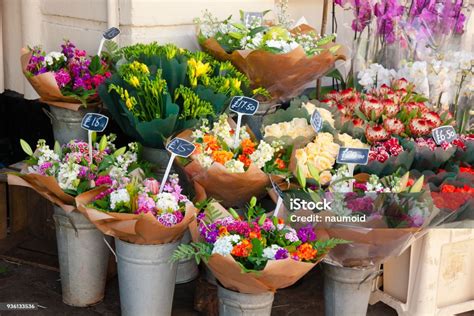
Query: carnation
x=119, y=198
x=223, y=245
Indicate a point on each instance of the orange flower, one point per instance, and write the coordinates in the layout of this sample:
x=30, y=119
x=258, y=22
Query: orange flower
x=248, y=147
x=221, y=156
x=211, y=142
x=246, y=160
x=198, y=149
x=305, y=252
x=223, y=231
x=280, y=163
x=255, y=235
x=243, y=249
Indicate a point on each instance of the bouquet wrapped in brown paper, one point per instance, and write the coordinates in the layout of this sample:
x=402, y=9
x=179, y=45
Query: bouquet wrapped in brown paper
x=378, y=225
x=141, y=221
x=61, y=173
x=280, y=58
x=229, y=171
x=67, y=79
x=256, y=254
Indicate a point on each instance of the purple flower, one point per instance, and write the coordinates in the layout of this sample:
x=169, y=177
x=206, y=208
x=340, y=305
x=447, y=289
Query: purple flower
x=103, y=180
x=359, y=204
x=209, y=232
x=306, y=234
x=103, y=194
x=281, y=253
x=62, y=78
x=167, y=219
x=68, y=49
x=179, y=216
x=44, y=167
x=268, y=225
x=146, y=204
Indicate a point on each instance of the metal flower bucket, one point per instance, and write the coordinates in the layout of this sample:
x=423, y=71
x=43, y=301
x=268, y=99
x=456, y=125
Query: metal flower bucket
x=67, y=123
x=187, y=269
x=347, y=290
x=83, y=258
x=158, y=157
x=240, y=304
x=146, y=278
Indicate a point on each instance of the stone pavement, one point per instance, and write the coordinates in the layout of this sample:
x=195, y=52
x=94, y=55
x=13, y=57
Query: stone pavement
x=26, y=283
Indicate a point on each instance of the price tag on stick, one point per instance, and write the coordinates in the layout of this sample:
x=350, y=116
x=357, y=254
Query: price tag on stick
x=316, y=121
x=444, y=134
x=93, y=122
x=177, y=147
x=107, y=35
x=242, y=106
x=279, y=192
x=353, y=157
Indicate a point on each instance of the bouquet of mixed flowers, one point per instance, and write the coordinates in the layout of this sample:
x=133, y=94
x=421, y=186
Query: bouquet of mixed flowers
x=228, y=171
x=253, y=254
x=61, y=173
x=159, y=90
x=281, y=58
x=135, y=210
x=381, y=216
x=67, y=78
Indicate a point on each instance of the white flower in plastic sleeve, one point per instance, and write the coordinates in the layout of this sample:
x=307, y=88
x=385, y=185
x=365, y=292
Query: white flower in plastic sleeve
x=262, y=155
x=166, y=202
x=54, y=56
x=223, y=245
x=118, y=198
x=67, y=176
x=270, y=252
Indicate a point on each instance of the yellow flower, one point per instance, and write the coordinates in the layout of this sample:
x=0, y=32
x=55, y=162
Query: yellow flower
x=325, y=177
x=236, y=83
x=198, y=68
x=129, y=104
x=134, y=81
x=347, y=141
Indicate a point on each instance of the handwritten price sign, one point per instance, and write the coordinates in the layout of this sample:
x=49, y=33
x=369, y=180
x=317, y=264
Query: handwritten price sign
x=244, y=105
x=316, y=121
x=94, y=122
x=180, y=147
x=444, y=134
x=356, y=156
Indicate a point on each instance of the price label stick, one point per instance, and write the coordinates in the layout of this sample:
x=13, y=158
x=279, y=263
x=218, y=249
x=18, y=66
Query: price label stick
x=89, y=136
x=167, y=171
x=177, y=147
x=107, y=35
x=237, y=130
x=351, y=168
x=278, y=206
x=352, y=157
x=279, y=192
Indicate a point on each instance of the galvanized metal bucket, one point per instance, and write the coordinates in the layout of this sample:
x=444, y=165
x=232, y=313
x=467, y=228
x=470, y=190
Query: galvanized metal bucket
x=146, y=278
x=83, y=259
x=67, y=123
x=158, y=157
x=347, y=290
x=187, y=269
x=209, y=276
x=239, y=304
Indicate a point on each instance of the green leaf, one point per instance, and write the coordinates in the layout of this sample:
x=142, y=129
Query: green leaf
x=313, y=171
x=120, y=152
x=103, y=143
x=95, y=65
x=93, y=137
x=300, y=177
x=26, y=148
x=57, y=149
x=361, y=115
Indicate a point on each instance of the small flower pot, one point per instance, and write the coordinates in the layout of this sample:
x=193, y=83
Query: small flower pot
x=67, y=123
x=240, y=304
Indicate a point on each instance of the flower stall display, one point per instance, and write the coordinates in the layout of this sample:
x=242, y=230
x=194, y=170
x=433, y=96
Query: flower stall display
x=68, y=78
x=148, y=225
x=230, y=171
x=275, y=55
x=160, y=90
x=253, y=254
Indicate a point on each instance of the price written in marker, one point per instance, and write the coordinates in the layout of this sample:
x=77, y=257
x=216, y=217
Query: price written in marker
x=444, y=134
x=352, y=157
x=93, y=122
x=177, y=147
x=316, y=121
x=242, y=106
x=250, y=17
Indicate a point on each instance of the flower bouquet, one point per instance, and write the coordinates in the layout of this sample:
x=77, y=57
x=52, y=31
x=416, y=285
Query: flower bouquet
x=67, y=79
x=232, y=172
x=148, y=224
x=159, y=90
x=62, y=173
x=253, y=254
x=276, y=56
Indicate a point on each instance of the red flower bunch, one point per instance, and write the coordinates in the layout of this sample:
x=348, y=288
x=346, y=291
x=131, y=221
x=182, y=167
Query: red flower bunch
x=381, y=151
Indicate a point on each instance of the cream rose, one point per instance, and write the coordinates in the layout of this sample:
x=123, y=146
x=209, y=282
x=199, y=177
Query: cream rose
x=348, y=141
x=325, y=177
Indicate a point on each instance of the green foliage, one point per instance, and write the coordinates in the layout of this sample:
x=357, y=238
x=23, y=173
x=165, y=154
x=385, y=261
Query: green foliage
x=197, y=250
x=26, y=147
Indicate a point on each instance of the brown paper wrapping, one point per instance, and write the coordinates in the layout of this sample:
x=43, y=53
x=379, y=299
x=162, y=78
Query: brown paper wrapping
x=142, y=229
x=283, y=75
x=46, y=186
x=231, y=189
x=47, y=88
x=277, y=274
